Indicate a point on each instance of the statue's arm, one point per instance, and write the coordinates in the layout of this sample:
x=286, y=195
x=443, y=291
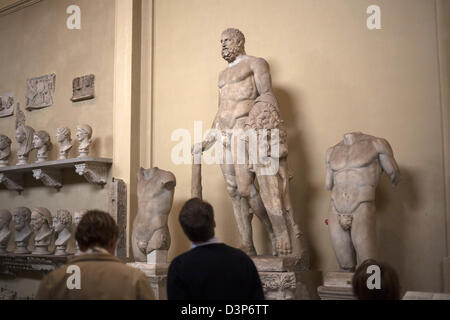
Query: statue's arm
x=261, y=72
x=329, y=175
x=387, y=160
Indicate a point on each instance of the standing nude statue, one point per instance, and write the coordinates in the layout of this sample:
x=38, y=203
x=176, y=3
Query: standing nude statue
x=5, y=150
x=22, y=217
x=65, y=142
x=240, y=85
x=41, y=223
x=354, y=167
x=5, y=233
x=155, y=191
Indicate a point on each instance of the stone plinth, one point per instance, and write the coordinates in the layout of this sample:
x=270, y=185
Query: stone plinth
x=11, y=263
x=156, y=271
x=285, y=278
x=337, y=286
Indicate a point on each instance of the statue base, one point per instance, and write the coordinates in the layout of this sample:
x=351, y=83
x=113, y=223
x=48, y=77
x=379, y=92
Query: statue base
x=155, y=270
x=286, y=278
x=337, y=286
x=3, y=163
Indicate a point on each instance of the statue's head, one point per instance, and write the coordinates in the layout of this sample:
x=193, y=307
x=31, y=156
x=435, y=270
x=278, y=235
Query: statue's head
x=5, y=142
x=24, y=136
x=62, y=134
x=5, y=218
x=39, y=216
x=62, y=220
x=22, y=217
x=40, y=139
x=78, y=215
x=233, y=42
x=84, y=131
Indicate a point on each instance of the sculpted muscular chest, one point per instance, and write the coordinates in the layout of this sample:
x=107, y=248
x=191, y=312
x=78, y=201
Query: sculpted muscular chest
x=237, y=92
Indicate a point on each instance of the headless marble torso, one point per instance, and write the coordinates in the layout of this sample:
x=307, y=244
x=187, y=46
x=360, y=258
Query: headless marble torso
x=356, y=171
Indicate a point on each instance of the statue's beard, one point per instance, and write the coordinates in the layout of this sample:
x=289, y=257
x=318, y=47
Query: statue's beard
x=230, y=54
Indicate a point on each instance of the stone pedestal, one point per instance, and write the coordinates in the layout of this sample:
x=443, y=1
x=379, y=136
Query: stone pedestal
x=156, y=271
x=285, y=278
x=337, y=286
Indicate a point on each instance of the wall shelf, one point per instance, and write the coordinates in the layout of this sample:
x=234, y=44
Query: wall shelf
x=94, y=170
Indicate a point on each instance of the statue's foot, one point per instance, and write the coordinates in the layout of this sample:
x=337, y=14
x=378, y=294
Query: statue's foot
x=248, y=249
x=284, y=246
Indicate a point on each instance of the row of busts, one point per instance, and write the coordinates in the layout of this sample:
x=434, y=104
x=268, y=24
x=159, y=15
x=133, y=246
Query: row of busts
x=29, y=140
x=38, y=225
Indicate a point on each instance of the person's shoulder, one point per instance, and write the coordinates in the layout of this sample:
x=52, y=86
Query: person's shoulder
x=258, y=63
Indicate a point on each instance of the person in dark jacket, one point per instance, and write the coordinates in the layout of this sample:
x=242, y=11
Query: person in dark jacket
x=211, y=270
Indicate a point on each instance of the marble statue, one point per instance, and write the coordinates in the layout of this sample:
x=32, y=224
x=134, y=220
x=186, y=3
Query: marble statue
x=84, y=134
x=83, y=88
x=77, y=215
x=5, y=150
x=40, y=92
x=61, y=224
x=5, y=233
x=24, y=136
x=354, y=167
x=245, y=83
x=41, y=142
x=41, y=223
x=156, y=188
x=22, y=217
x=63, y=137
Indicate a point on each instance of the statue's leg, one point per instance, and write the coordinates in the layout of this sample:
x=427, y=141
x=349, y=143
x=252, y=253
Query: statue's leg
x=363, y=231
x=270, y=190
x=341, y=241
x=240, y=209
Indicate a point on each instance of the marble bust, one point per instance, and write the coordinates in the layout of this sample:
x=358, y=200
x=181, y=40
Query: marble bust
x=24, y=137
x=5, y=233
x=84, y=134
x=42, y=143
x=61, y=224
x=76, y=220
x=41, y=223
x=22, y=217
x=63, y=137
x=5, y=150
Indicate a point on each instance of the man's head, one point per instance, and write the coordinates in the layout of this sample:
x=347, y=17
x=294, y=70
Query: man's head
x=97, y=229
x=389, y=285
x=232, y=41
x=62, y=219
x=197, y=220
x=22, y=217
x=39, y=216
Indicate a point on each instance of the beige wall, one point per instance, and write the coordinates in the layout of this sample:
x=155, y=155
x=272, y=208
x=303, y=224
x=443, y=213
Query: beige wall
x=331, y=76
x=36, y=41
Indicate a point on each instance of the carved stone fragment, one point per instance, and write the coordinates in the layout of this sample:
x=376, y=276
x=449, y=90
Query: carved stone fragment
x=118, y=210
x=5, y=150
x=40, y=92
x=156, y=189
x=6, y=105
x=12, y=181
x=93, y=173
x=83, y=88
x=49, y=177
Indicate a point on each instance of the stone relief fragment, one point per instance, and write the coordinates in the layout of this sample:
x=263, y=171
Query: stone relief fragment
x=6, y=105
x=83, y=88
x=40, y=92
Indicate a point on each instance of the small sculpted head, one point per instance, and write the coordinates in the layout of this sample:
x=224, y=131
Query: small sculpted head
x=78, y=215
x=41, y=138
x=5, y=218
x=62, y=220
x=39, y=216
x=62, y=134
x=21, y=217
x=233, y=42
x=84, y=132
x=5, y=142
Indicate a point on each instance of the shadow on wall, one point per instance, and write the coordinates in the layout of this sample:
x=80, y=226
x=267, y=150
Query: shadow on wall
x=302, y=194
x=393, y=209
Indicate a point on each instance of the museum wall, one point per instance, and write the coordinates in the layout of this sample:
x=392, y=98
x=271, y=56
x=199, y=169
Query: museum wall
x=35, y=42
x=331, y=75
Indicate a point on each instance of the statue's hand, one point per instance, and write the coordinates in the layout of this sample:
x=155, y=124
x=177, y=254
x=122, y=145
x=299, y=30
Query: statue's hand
x=197, y=148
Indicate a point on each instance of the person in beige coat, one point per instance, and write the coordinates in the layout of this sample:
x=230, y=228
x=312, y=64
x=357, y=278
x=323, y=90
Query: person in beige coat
x=96, y=273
